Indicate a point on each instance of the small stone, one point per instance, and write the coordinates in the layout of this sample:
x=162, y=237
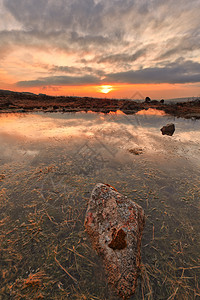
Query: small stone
x=147, y=100
x=168, y=129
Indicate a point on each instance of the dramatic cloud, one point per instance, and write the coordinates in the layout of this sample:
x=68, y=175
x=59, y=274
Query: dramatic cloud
x=179, y=46
x=122, y=57
x=76, y=70
x=187, y=72
x=60, y=80
x=73, y=42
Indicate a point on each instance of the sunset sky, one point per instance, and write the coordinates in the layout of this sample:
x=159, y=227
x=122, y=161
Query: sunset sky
x=112, y=48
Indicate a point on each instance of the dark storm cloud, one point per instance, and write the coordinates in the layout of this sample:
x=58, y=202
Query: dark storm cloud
x=59, y=80
x=186, y=72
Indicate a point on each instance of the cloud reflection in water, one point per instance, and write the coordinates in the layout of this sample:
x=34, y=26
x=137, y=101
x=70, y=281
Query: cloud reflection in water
x=25, y=133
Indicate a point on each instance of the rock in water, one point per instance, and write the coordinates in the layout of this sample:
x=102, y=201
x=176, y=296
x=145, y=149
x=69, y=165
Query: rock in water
x=115, y=224
x=168, y=129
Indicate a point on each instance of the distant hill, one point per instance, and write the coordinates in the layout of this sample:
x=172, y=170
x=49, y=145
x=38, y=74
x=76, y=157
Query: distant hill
x=184, y=99
x=27, y=102
x=7, y=92
x=174, y=100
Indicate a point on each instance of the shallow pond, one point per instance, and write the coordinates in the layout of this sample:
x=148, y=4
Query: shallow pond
x=49, y=164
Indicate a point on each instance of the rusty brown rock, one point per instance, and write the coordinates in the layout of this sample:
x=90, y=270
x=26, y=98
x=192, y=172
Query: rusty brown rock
x=115, y=224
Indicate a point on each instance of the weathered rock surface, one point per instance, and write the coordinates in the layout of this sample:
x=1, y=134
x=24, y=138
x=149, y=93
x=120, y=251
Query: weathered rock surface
x=168, y=129
x=115, y=226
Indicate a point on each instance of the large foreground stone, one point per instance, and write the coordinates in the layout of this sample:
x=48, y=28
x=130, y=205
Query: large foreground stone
x=115, y=225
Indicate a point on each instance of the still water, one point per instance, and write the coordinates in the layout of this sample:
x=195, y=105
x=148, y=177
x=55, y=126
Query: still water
x=49, y=164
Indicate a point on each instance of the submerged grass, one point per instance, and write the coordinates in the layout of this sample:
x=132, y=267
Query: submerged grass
x=45, y=252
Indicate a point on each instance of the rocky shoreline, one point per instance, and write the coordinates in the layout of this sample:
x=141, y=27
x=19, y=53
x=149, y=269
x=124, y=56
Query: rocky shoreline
x=28, y=102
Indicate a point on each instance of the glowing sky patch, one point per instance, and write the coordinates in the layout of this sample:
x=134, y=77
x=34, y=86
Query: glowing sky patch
x=72, y=47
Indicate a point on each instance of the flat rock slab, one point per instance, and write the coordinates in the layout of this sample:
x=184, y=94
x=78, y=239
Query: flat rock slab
x=115, y=224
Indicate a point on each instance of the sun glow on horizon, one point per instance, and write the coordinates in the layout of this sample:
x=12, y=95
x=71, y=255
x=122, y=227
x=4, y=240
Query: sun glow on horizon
x=105, y=89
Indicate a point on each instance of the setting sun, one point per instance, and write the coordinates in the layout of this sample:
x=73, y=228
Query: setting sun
x=105, y=89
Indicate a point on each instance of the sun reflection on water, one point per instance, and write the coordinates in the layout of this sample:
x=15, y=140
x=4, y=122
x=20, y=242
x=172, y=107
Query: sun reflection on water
x=151, y=112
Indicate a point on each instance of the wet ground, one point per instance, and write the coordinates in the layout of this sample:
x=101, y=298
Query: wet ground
x=49, y=164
